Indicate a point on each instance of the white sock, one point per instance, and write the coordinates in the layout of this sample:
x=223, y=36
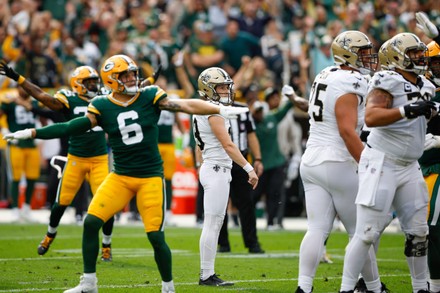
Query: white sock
x=51, y=230
x=168, y=285
x=374, y=286
x=90, y=276
x=434, y=285
x=208, y=244
x=310, y=254
x=106, y=239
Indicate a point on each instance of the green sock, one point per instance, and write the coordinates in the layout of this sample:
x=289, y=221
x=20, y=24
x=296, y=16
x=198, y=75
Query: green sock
x=90, y=242
x=14, y=193
x=162, y=255
x=434, y=252
x=29, y=190
x=56, y=214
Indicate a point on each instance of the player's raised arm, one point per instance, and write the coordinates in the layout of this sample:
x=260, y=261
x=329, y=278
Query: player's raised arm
x=30, y=88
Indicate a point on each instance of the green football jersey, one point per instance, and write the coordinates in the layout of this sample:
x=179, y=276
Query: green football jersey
x=132, y=131
x=89, y=144
x=19, y=118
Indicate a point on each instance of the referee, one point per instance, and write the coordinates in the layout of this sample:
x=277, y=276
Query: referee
x=243, y=135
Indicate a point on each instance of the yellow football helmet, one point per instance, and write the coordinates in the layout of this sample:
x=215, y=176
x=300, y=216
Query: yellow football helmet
x=346, y=47
x=398, y=49
x=111, y=71
x=209, y=79
x=434, y=63
x=78, y=81
x=383, y=59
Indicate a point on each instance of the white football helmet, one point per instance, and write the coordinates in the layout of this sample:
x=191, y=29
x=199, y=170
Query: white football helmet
x=398, y=53
x=434, y=63
x=209, y=79
x=346, y=47
x=383, y=58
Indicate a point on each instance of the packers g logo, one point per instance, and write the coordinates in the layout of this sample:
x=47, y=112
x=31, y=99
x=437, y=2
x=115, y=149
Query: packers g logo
x=108, y=66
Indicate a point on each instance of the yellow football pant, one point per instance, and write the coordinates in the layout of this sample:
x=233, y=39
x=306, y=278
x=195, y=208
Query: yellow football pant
x=116, y=192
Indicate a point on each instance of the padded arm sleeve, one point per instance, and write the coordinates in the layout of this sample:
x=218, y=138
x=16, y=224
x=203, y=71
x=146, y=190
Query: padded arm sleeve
x=73, y=127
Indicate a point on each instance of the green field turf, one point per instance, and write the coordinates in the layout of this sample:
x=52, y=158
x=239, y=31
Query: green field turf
x=133, y=268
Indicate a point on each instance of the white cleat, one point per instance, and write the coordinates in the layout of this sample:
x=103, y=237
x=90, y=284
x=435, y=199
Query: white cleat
x=86, y=285
x=15, y=215
x=26, y=214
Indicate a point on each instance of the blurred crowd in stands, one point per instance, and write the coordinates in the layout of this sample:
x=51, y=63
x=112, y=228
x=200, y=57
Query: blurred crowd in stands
x=262, y=44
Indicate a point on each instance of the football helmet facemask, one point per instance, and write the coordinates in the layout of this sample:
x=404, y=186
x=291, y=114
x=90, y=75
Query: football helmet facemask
x=434, y=62
x=80, y=81
x=111, y=72
x=347, y=49
x=400, y=50
x=209, y=79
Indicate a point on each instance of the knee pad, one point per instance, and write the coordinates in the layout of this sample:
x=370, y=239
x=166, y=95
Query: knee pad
x=415, y=246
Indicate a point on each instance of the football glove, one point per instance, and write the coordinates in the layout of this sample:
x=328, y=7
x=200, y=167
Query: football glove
x=426, y=25
x=8, y=71
x=419, y=108
x=431, y=141
x=21, y=134
x=232, y=112
x=287, y=90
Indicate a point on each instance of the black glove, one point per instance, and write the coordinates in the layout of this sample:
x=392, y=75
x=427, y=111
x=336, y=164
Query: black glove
x=8, y=71
x=419, y=108
x=157, y=73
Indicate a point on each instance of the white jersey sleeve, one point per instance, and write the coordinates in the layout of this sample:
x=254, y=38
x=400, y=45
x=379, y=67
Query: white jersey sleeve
x=212, y=150
x=403, y=139
x=325, y=142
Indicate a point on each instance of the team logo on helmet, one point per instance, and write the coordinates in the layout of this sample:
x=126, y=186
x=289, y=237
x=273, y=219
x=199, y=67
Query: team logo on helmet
x=108, y=66
x=345, y=42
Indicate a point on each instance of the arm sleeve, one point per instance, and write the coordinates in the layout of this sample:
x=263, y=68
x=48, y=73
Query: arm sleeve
x=73, y=127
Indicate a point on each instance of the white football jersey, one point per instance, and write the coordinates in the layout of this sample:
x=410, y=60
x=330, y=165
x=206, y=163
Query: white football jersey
x=324, y=142
x=403, y=139
x=212, y=150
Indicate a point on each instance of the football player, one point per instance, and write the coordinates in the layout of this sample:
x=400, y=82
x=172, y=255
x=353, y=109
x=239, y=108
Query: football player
x=87, y=154
x=430, y=161
x=129, y=116
x=23, y=157
x=336, y=111
x=398, y=107
x=211, y=133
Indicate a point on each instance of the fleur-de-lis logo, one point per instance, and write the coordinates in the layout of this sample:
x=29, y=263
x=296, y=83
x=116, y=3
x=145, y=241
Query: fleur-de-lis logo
x=216, y=168
x=356, y=85
x=345, y=42
x=205, y=78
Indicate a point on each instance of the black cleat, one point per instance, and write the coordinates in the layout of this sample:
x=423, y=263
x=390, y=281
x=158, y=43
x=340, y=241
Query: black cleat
x=214, y=281
x=223, y=249
x=256, y=249
x=46, y=242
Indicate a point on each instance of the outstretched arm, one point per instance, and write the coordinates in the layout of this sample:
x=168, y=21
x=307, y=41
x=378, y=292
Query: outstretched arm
x=31, y=88
x=73, y=127
x=200, y=107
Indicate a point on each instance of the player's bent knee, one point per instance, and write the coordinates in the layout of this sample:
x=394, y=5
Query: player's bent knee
x=415, y=246
x=370, y=235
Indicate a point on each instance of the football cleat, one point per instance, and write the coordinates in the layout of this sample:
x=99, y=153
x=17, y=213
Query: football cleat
x=46, y=242
x=256, y=249
x=214, y=281
x=223, y=249
x=86, y=285
x=299, y=290
x=106, y=255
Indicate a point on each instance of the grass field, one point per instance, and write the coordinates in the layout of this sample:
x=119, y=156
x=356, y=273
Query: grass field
x=133, y=268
